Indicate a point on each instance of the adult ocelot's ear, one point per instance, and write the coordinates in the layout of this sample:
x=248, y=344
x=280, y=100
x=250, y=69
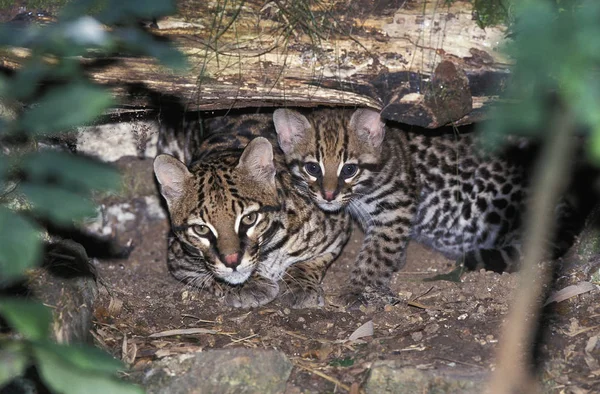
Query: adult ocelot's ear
x=290, y=126
x=172, y=176
x=367, y=124
x=257, y=160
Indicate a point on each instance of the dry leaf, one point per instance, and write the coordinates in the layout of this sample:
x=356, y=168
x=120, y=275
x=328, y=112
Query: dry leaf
x=321, y=354
x=570, y=291
x=185, y=331
x=419, y=305
x=115, y=306
x=591, y=344
x=366, y=330
x=128, y=352
x=162, y=353
x=589, y=359
x=124, y=346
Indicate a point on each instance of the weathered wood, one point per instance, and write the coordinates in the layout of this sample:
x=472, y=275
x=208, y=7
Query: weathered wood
x=425, y=63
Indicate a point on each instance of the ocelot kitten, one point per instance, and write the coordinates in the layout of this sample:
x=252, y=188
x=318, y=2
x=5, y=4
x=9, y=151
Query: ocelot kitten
x=399, y=185
x=239, y=227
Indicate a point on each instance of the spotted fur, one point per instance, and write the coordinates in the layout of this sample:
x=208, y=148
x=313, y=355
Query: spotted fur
x=441, y=191
x=239, y=226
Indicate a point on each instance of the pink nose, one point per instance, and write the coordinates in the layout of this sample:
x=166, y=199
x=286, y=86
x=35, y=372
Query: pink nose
x=232, y=260
x=328, y=195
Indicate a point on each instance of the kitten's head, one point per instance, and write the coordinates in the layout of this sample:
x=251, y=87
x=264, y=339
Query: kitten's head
x=331, y=156
x=223, y=207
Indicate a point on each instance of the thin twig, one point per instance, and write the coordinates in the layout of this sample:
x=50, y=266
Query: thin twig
x=514, y=372
x=234, y=341
x=325, y=376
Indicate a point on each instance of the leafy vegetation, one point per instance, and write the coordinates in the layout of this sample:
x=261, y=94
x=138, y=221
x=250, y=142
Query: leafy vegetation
x=52, y=94
x=554, y=92
x=557, y=57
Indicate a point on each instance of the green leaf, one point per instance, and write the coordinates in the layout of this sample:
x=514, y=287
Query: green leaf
x=342, y=362
x=28, y=79
x=138, y=41
x=59, y=205
x=20, y=246
x=594, y=145
x=66, y=107
x=86, y=358
x=29, y=318
x=74, y=171
x=13, y=360
x=132, y=10
x=62, y=377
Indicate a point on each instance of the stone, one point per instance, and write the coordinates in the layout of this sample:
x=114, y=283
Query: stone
x=218, y=371
x=392, y=377
x=109, y=142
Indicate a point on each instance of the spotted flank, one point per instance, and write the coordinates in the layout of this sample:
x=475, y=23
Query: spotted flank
x=441, y=191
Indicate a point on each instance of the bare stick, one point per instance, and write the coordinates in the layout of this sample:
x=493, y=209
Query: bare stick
x=513, y=373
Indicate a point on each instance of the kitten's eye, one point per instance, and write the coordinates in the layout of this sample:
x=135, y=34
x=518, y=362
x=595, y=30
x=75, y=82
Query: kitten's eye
x=312, y=169
x=201, y=229
x=249, y=219
x=349, y=170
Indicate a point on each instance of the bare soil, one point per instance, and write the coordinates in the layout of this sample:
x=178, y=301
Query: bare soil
x=439, y=324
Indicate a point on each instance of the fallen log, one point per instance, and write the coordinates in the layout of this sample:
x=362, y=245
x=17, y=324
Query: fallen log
x=424, y=63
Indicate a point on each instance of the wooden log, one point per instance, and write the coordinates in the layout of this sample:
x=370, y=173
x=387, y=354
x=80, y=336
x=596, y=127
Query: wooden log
x=424, y=63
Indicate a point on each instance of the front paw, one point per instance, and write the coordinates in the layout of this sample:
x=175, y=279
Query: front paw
x=378, y=297
x=252, y=294
x=298, y=297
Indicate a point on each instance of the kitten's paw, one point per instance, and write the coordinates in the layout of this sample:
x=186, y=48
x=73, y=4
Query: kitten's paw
x=299, y=298
x=252, y=294
x=352, y=298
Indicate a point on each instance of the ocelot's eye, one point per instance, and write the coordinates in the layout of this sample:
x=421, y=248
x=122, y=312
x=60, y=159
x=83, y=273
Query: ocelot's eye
x=312, y=169
x=249, y=219
x=349, y=170
x=201, y=230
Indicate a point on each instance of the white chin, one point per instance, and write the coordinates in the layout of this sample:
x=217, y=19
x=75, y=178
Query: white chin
x=330, y=206
x=235, y=278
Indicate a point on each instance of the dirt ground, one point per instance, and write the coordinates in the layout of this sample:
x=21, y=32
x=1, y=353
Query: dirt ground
x=441, y=325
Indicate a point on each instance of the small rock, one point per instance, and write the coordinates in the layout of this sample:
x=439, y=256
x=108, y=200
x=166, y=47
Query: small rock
x=154, y=209
x=432, y=328
x=391, y=377
x=219, y=371
x=110, y=142
x=417, y=336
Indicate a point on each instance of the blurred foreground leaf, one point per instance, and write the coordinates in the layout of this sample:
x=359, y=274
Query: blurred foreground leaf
x=66, y=107
x=29, y=318
x=118, y=10
x=19, y=245
x=57, y=204
x=13, y=361
x=141, y=42
x=66, y=378
x=70, y=170
x=87, y=358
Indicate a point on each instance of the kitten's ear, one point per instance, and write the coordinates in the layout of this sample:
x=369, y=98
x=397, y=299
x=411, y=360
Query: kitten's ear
x=257, y=159
x=290, y=127
x=368, y=125
x=172, y=176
